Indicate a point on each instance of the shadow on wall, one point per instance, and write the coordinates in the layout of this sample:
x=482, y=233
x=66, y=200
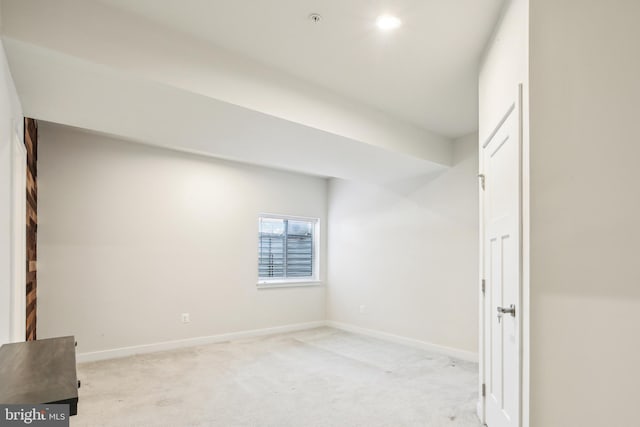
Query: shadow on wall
x=403, y=256
x=450, y=193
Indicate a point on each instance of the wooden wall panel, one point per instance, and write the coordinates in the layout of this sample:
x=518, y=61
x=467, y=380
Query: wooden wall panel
x=31, y=143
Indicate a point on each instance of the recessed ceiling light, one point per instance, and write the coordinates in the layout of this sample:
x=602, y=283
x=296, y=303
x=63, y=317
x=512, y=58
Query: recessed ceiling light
x=388, y=22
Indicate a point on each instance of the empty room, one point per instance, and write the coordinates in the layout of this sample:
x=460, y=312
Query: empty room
x=319, y=213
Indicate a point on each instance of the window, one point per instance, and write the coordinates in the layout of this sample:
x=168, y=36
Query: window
x=287, y=249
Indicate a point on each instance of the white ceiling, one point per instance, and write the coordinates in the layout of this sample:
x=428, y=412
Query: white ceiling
x=255, y=80
x=425, y=72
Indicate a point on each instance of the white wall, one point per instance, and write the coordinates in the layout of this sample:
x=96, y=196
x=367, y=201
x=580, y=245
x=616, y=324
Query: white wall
x=585, y=212
x=504, y=66
x=409, y=253
x=11, y=122
x=581, y=277
x=130, y=236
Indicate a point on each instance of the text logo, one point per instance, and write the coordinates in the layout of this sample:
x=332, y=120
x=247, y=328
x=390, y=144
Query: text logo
x=34, y=415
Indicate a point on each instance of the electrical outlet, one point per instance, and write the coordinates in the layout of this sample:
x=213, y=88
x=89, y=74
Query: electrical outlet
x=186, y=318
x=363, y=308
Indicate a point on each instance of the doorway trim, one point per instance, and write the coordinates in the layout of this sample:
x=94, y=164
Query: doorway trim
x=18, y=310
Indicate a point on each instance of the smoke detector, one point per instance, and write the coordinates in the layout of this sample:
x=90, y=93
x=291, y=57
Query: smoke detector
x=315, y=18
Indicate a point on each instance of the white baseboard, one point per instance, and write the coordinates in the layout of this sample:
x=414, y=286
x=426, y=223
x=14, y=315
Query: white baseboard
x=189, y=342
x=448, y=351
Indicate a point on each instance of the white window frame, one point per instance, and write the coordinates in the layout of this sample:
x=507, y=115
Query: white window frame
x=296, y=281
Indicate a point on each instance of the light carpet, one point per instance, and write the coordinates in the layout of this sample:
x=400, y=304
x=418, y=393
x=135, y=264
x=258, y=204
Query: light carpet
x=321, y=377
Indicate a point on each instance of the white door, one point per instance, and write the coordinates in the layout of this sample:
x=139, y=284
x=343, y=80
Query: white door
x=18, y=240
x=501, y=168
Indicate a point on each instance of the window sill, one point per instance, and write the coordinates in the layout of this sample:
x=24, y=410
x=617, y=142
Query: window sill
x=289, y=284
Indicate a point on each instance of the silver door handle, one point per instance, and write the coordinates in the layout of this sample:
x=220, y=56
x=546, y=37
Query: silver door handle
x=511, y=310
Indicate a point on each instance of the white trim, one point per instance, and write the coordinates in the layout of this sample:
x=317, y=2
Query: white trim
x=18, y=239
x=284, y=216
x=525, y=243
x=520, y=232
x=411, y=342
x=189, y=342
x=315, y=254
x=289, y=284
x=481, y=294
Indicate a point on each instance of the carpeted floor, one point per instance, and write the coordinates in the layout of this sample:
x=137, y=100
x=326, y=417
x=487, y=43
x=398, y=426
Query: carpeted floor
x=319, y=377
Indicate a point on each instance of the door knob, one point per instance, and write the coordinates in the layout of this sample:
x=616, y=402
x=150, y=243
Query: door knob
x=511, y=310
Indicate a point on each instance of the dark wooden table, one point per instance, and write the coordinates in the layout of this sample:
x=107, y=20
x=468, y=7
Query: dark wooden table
x=42, y=371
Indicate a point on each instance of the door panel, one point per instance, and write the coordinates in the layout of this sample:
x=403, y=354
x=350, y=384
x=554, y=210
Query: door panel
x=502, y=270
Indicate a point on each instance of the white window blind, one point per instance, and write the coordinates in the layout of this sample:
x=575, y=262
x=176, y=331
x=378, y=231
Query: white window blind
x=286, y=248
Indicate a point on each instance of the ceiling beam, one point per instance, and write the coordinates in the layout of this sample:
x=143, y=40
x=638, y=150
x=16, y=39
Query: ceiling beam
x=100, y=34
x=63, y=89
